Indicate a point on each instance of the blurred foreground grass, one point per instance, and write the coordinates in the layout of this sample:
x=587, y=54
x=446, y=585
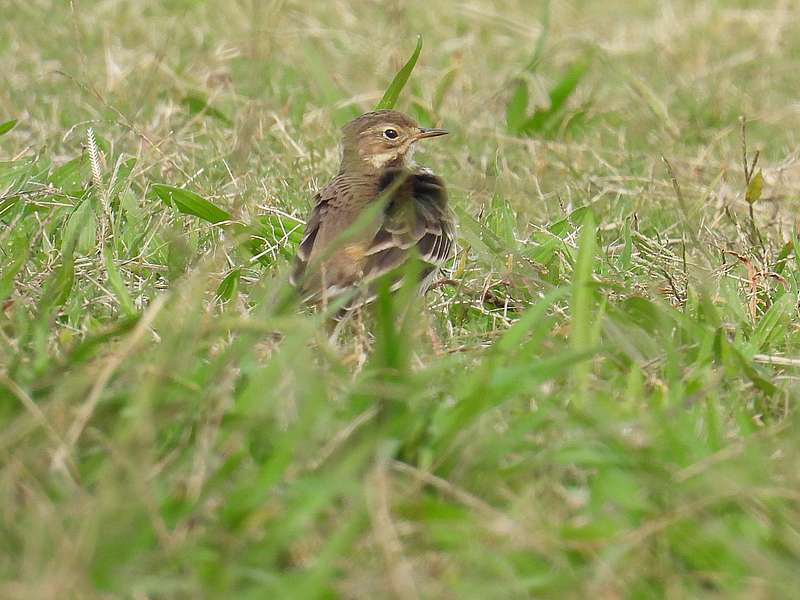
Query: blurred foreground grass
x=601, y=401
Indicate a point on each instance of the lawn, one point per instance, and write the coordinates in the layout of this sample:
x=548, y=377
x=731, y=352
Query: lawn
x=598, y=400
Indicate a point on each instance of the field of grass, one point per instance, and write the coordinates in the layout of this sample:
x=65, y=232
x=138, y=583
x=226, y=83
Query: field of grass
x=599, y=401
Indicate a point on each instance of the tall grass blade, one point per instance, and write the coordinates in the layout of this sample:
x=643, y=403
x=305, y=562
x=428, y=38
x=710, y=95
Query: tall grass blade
x=12, y=265
x=516, y=110
x=80, y=229
x=582, y=296
x=117, y=284
x=398, y=83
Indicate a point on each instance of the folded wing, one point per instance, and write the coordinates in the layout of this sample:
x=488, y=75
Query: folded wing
x=416, y=221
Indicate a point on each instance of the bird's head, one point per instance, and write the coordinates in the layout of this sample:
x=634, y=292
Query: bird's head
x=380, y=139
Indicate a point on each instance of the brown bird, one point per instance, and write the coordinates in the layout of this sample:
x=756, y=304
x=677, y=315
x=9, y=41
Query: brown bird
x=349, y=240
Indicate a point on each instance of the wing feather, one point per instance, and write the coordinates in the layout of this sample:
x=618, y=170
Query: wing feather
x=416, y=221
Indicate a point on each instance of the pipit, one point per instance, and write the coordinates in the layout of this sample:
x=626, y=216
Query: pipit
x=380, y=210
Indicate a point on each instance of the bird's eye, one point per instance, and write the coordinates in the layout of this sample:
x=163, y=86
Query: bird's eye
x=390, y=134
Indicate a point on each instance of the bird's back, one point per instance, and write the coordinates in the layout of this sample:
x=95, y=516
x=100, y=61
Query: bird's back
x=345, y=248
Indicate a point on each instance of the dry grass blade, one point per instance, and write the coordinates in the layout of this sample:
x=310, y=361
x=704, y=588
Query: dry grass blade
x=400, y=571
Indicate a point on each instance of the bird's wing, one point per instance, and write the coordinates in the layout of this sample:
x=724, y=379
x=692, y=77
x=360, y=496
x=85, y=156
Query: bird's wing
x=306, y=246
x=417, y=220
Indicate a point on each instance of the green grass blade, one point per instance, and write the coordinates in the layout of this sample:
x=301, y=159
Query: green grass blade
x=443, y=88
x=516, y=110
x=58, y=286
x=398, y=83
x=513, y=338
x=190, y=203
x=229, y=285
x=117, y=284
x=754, y=188
x=71, y=177
x=7, y=126
x=80, y=229
x=772, y=323
x=559, y=95
x=582, y=295
x=12, y=266
x=199, y=106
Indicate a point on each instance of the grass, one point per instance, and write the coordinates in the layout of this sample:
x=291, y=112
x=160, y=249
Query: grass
x=601, y=399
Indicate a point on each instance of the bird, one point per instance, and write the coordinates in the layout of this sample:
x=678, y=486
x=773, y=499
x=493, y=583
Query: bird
x=377, y=212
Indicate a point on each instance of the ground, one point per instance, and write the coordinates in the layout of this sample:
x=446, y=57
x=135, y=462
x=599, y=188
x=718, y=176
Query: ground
x=598, y=400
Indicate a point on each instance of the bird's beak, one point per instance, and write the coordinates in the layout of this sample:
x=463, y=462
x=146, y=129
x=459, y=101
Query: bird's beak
x=424, y=132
